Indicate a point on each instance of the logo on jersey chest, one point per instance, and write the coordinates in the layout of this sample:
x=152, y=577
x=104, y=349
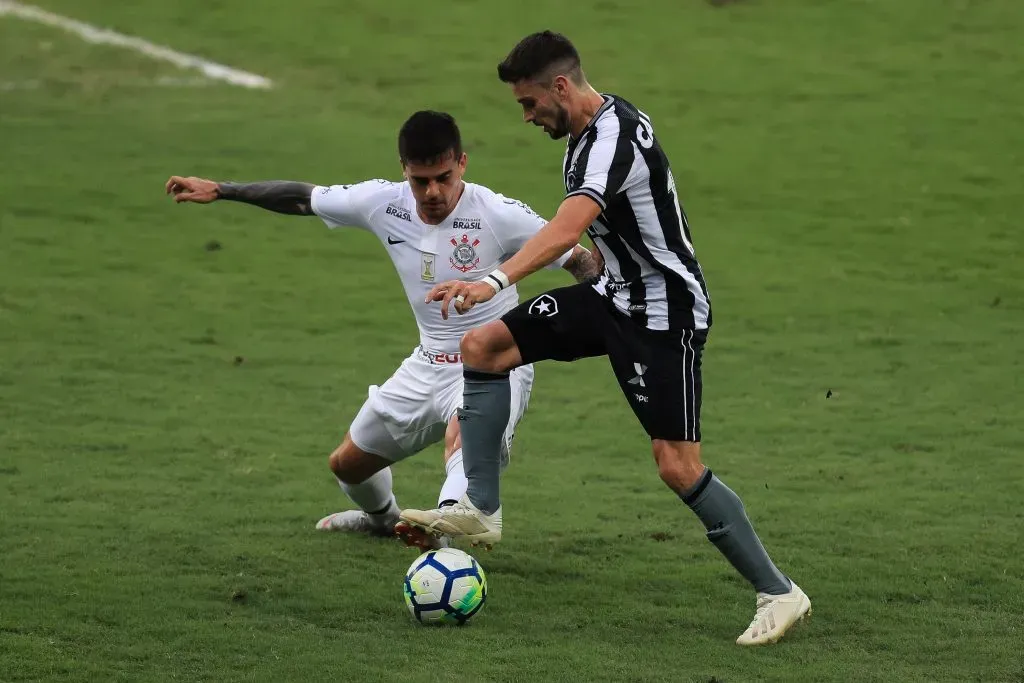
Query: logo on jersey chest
x=466, y=224
x=572, y=181
x=399, y=212
x=464, y=258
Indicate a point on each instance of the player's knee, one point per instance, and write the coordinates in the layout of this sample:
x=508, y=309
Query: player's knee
x=477, y=350
x=337, y=465
x=490, y=348
x=345, y=469
x=679, y=464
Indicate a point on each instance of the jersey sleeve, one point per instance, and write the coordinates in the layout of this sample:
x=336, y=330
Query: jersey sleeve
x=607, y=166
x=350, y=205
x=516, y=224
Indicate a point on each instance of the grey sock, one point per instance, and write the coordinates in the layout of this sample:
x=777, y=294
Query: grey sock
x=487, y=400
x=723, y=515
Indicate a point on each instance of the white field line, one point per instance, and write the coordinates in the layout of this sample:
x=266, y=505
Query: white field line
x=102, y=36
x=160, y=82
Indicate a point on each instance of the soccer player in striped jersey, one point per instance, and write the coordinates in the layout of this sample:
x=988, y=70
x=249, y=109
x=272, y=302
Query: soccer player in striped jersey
x=649, y=312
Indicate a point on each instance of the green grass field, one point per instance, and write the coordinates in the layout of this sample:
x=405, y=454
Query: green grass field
x=852, y=174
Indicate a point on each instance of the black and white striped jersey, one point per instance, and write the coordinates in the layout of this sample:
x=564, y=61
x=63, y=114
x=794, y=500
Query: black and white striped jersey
x=651, y=272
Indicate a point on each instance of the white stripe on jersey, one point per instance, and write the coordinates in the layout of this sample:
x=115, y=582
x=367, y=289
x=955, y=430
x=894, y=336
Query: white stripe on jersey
x=599, y=157
x=656, y=296
x=654, y=238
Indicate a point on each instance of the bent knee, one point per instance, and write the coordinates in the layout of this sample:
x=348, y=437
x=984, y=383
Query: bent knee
x=490, y=348
x=336, y=462
x=349, y=464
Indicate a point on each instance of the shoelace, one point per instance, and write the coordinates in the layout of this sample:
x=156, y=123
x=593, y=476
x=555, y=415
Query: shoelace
x=457, y=508
x=763, y=603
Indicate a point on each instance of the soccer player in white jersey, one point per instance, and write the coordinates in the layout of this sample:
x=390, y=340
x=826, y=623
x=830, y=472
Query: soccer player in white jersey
x=435, y=227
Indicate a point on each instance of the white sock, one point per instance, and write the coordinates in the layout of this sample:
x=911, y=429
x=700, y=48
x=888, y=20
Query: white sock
x=455, y=484
x=374, y=495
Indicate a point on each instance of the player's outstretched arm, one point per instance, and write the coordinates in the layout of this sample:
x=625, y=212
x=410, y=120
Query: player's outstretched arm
x=281, y=196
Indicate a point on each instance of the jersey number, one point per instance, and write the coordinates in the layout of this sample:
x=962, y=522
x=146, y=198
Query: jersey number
x=644, y=135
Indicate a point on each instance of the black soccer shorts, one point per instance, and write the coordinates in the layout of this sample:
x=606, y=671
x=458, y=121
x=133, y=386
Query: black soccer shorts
x=659, y=372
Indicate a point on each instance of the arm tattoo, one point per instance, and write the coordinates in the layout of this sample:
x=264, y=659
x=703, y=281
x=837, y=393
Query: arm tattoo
x=582, y=265
x=282, y=196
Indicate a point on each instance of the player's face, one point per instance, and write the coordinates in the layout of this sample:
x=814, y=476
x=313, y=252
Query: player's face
x=544, y=106
x=437, y=185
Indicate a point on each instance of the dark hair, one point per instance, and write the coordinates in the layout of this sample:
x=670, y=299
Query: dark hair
x=428, y=136
x=537, y=54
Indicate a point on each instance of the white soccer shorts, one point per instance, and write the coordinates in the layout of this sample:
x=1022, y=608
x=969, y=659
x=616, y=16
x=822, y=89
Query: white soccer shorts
x=411, y=410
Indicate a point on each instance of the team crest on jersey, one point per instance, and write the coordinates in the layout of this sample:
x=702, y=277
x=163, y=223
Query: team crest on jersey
x=466, y=224
x=571, y=179
x=464, y=258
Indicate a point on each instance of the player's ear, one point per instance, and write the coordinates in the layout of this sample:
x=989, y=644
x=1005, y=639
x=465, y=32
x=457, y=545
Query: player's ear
x=463, y=160
x=560, y=87
x=405, y=171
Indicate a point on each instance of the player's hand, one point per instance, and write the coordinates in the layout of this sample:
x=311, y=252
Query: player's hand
x=464, y=295
x=192, y=189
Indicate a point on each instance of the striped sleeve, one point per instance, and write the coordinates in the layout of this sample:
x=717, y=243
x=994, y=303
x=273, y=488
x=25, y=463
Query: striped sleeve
x=605, y=164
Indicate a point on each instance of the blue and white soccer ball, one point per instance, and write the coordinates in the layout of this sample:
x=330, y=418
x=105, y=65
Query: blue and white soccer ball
x=445, y=586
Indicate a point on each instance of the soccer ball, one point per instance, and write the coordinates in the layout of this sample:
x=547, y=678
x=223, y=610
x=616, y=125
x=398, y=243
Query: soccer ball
x=445, y=586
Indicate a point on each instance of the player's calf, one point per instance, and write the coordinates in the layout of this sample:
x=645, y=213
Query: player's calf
x=366, y=480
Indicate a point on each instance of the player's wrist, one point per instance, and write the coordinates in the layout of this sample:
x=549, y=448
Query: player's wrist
x=497, y=280
x=225, y=190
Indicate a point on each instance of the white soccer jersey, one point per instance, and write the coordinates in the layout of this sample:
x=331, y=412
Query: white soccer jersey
x=484, y=230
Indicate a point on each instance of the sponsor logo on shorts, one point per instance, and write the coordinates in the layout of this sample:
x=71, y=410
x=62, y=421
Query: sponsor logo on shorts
x=639, y=379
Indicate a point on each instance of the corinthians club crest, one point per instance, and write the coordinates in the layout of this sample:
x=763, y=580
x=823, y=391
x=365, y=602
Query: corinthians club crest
x=464, y=258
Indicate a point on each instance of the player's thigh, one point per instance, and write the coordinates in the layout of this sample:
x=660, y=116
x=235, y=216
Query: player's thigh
x=562, y=324
x=660, y=376
x=400, y=418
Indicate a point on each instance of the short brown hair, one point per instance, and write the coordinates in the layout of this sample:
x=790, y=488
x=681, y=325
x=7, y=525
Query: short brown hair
x=541, y=56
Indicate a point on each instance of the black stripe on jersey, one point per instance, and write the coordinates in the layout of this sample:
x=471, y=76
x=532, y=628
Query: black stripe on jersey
x=681, y=301
x=579, y=169
x=622, y=164
x=631, y=273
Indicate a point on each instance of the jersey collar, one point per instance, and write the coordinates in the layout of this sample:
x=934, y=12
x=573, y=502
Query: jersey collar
x=609, y=100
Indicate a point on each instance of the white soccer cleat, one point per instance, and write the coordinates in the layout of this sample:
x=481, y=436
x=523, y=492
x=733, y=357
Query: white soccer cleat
x=460, y=521
x=775, y=615
x=355, y=521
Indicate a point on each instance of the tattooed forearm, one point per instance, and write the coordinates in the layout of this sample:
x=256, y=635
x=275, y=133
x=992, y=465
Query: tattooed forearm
x=282, y=196
x=582, y=265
